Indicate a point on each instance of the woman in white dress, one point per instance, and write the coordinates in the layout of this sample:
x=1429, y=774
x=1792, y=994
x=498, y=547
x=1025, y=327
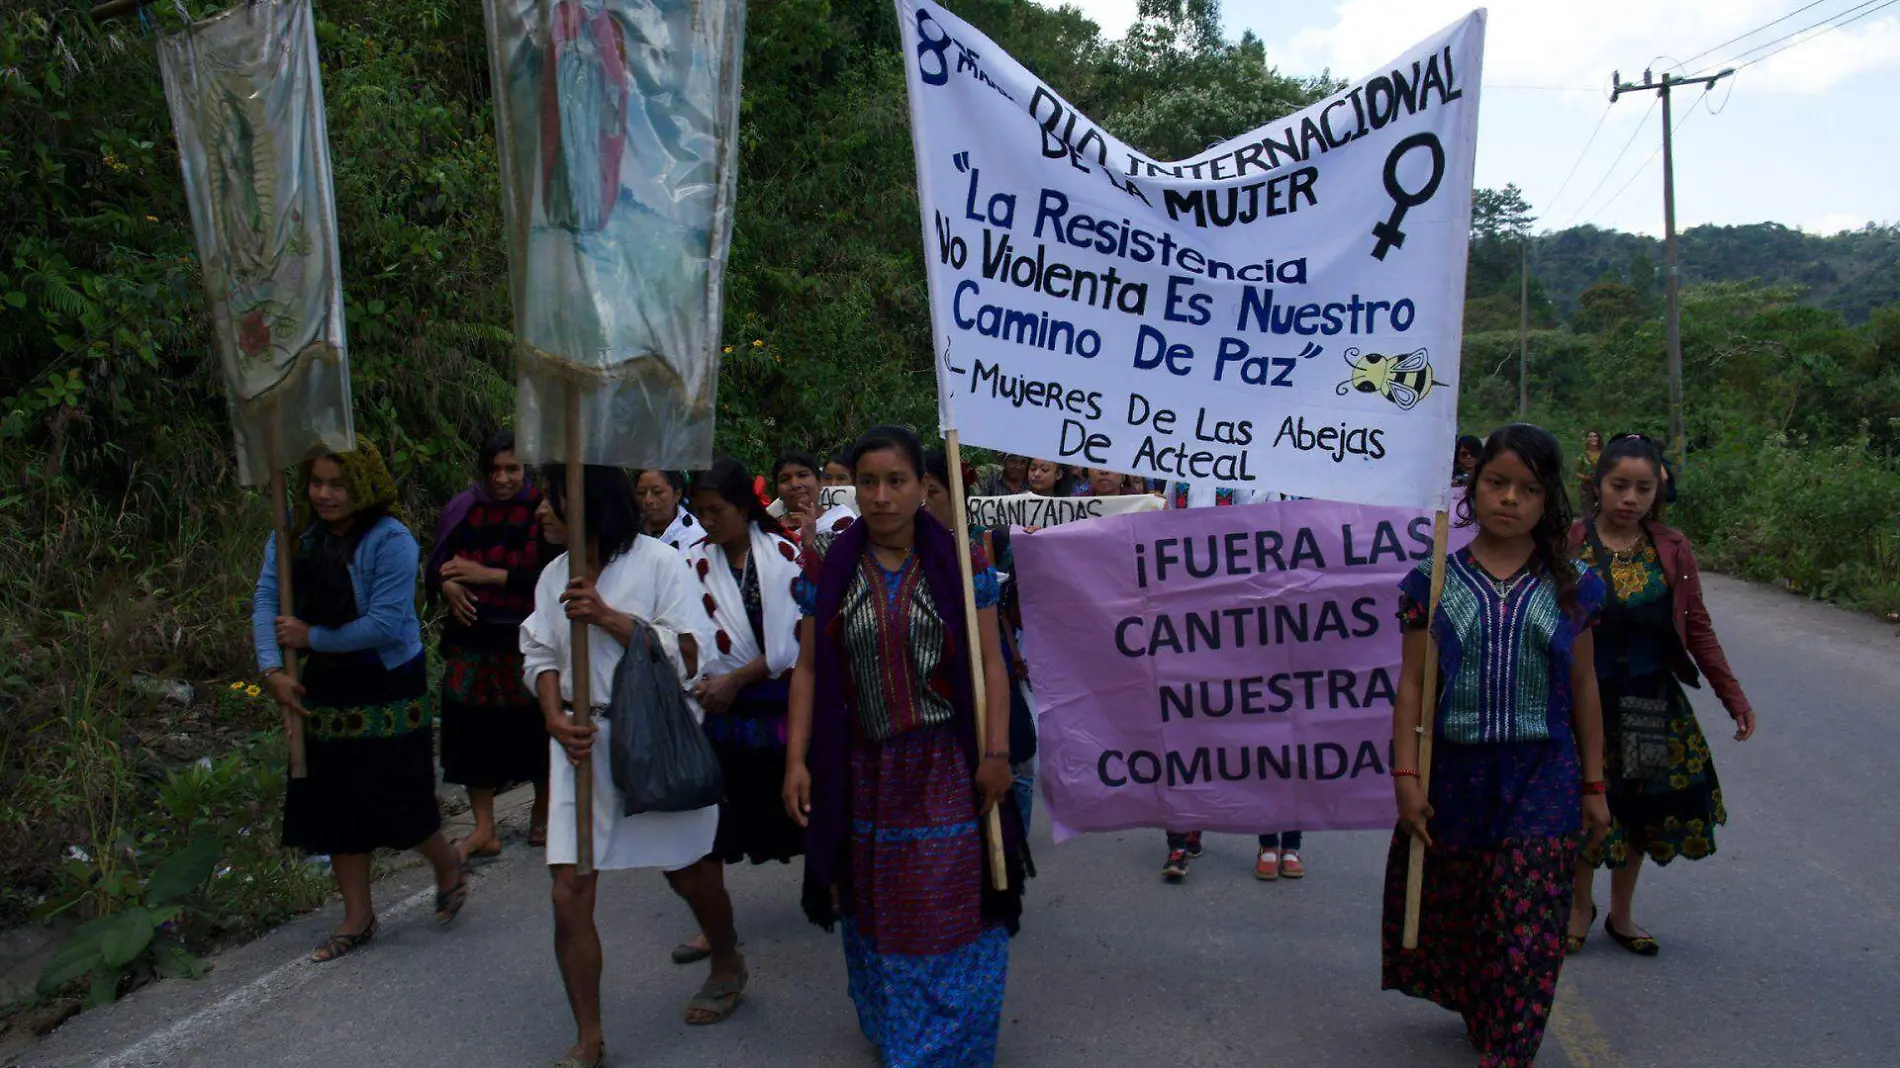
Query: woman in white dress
x=634, y=577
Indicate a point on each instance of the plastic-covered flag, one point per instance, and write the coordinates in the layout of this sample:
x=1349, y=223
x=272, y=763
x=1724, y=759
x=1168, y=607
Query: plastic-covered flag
x=618, y=124
x=247, y=107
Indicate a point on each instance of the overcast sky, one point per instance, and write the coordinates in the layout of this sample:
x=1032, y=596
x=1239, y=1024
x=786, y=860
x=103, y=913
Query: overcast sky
x=1807, y=138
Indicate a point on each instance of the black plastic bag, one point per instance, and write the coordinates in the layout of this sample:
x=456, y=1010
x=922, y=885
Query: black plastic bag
x=661, y=760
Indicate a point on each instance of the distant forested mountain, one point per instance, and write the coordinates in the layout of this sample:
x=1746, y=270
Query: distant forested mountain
x=1851, y=272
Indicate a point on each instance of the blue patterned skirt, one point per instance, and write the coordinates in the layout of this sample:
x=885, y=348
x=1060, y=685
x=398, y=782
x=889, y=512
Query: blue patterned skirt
x=926, y=970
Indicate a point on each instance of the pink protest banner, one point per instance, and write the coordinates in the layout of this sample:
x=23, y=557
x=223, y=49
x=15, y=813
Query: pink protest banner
x=1220, y=669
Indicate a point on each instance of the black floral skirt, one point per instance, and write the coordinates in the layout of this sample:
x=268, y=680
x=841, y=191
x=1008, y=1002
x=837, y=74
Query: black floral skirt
x=493, y=733
x=1673, y=813
x=369, y=754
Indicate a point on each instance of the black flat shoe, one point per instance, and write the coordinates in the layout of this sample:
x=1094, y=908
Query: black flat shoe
x=1641, y=945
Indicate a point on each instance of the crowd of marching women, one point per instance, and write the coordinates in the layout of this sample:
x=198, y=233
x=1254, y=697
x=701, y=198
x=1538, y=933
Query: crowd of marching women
x=835, y=664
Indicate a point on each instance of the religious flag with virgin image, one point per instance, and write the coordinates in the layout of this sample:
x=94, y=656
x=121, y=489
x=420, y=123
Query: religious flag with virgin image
x=618, y=123
x=247, y=108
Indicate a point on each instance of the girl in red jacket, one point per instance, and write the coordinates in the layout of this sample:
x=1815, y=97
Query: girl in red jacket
x=1653, y=637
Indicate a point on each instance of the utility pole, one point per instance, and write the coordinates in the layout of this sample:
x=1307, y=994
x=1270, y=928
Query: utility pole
x=1523, y=329
x=1678, y=447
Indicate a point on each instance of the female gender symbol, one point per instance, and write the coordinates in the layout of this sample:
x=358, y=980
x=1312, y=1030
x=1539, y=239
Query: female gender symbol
x=1388, y=232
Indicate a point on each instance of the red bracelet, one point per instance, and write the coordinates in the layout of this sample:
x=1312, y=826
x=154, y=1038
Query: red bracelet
x=1403, y=773
x=1598, y=787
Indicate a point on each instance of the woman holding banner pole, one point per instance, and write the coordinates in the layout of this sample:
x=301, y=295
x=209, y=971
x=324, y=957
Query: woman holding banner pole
x=1517, y=755
x=629, y=577
x=884, y=769
x=364, y=696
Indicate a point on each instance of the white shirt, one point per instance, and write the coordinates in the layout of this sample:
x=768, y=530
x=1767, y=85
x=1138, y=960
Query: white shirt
x=649, y=582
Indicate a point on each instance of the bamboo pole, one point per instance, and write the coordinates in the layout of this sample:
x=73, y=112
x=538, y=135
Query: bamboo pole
x=580, y=659
x=993, y=827
x=1427, y=712
x=286, y=589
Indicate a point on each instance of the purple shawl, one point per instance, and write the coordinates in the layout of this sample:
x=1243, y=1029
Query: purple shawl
x=452, y=515
x=828, y=832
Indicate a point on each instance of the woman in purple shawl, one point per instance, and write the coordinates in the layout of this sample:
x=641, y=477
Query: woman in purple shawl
x=884, y=771
x=488, y=555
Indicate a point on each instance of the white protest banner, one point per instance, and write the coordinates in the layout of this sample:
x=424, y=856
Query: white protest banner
x=1035, y=510
x=845, y=497
x=1284, y=309
x=829, y=498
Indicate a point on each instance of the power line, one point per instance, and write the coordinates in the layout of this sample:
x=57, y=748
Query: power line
x=1578, y=162
x=1634, y=134
x=1645, y=167
x=1672, y=282
x=1830, y=29
x=1797, y=34
x=1753, y=32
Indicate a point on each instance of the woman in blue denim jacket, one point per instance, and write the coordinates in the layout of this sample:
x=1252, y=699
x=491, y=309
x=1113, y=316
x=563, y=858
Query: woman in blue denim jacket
x=364, y=696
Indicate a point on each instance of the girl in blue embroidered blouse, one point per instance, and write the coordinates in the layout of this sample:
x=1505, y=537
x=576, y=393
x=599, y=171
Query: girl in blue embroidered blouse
x=1517, y=769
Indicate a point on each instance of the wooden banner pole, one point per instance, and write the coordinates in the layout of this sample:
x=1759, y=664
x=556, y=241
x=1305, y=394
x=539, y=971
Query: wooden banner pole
x=1427, y=712
x=280, y=512
x=580, y=660
x=993, y=827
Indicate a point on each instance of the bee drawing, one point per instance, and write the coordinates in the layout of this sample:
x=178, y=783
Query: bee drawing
x=1403, y=379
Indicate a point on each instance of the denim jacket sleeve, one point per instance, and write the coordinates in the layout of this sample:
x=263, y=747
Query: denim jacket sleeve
x=264, y=612
x=388, y=561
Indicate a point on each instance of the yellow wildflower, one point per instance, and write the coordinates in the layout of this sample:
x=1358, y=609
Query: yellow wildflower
x=237, y=685
x=151, y=218
x=252, y=690
x=728, y=350
x=758, y=343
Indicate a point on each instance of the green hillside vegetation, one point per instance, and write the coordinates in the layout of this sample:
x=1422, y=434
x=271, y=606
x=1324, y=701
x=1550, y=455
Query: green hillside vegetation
x=1852, y=272
x=129, y=552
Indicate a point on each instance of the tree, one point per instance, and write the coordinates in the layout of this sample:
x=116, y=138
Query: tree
x=1501, y=215
x=1500, y=223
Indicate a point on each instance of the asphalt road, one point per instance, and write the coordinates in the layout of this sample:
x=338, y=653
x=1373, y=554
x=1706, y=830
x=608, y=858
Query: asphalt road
x=1781, y=950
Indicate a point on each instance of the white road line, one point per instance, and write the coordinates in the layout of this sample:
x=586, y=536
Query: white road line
x=160, y=1046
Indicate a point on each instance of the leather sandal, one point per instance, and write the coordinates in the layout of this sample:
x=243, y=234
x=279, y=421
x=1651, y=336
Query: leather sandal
x=688, y=953
x=339, y=944
x=448, y=904
x=718, y=999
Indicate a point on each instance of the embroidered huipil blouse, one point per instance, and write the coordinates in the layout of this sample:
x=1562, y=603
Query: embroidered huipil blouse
x=1504, y=649
x=893, y=642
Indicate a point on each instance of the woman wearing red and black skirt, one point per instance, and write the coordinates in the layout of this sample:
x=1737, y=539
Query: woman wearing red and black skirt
x=488, y=556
